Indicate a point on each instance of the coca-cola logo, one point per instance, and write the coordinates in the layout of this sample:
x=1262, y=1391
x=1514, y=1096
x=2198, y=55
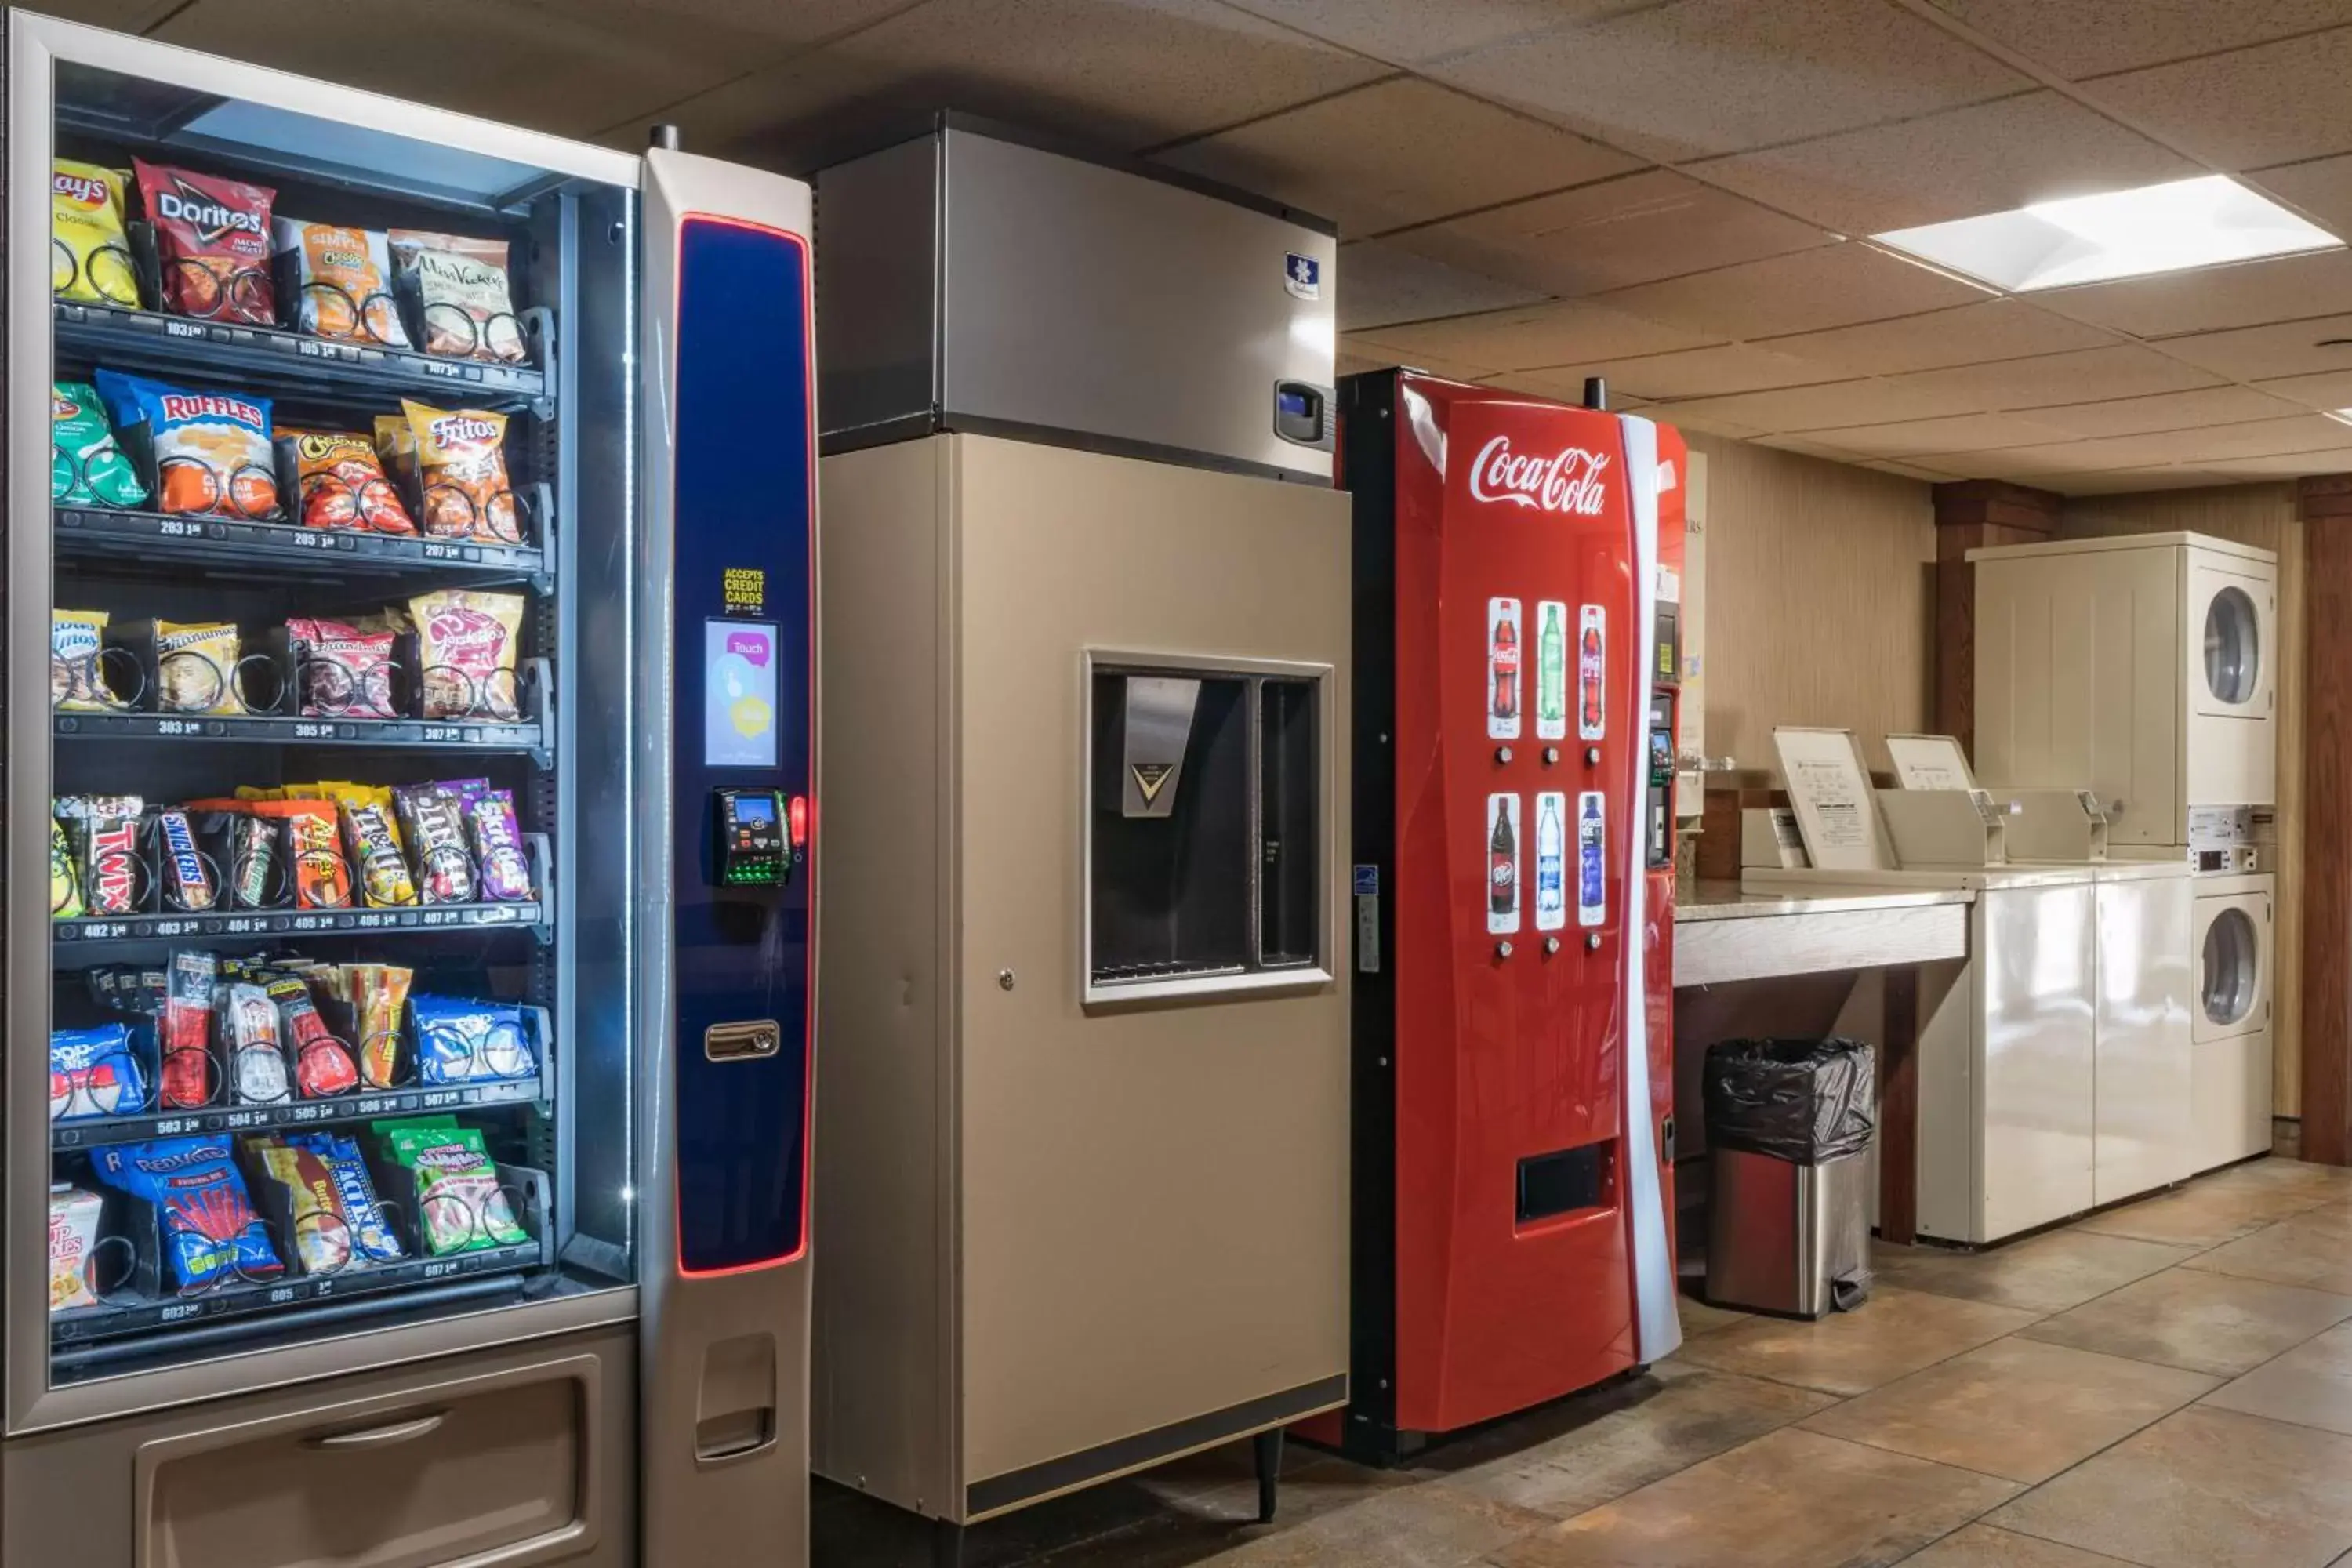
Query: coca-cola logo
x=182, y=408
x=89, y=193
x=1567, y=482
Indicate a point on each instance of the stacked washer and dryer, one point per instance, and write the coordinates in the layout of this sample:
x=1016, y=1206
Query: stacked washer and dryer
x=2143, y=668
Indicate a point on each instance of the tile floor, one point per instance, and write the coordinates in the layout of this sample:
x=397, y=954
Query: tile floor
x=2168, y=1384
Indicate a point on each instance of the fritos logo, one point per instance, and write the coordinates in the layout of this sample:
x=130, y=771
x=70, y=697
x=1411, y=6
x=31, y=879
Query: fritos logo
x=1567, y=482
x=89, y=193
x=462, y=430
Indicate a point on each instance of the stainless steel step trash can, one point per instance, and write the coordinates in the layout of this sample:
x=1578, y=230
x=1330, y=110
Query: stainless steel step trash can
x=1789, y=1129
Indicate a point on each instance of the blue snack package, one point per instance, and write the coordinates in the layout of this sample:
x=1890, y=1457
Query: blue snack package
x=212, y=450
x=371, y=1234
x=210, y=1230
x=94, y=1072
x=462, y=1041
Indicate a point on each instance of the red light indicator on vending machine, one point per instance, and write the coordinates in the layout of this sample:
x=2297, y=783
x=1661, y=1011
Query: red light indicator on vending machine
x=797, y=816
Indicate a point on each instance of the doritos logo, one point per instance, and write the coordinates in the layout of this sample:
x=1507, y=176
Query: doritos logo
x=211, y=219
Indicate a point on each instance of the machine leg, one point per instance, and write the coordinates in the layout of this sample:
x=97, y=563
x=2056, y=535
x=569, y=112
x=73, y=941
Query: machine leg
x=947, y=1543
x=1268, y=1448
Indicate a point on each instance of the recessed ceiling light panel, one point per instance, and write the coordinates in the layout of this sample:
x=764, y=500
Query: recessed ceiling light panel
x=2169, y=227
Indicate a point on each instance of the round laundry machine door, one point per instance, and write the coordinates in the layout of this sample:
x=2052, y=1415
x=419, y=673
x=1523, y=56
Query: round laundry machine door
x=2234, y=646
x=2229, y=969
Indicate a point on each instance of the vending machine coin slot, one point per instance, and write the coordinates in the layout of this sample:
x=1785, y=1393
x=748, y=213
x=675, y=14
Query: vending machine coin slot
x=1658, y=799
x=749, y=846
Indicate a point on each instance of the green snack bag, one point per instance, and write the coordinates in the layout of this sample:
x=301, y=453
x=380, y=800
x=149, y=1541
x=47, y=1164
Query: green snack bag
x=457, y=1194
x=86, y=467
x=65, y=885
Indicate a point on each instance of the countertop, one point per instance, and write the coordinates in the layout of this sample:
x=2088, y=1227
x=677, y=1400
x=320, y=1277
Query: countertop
x=1724, y=901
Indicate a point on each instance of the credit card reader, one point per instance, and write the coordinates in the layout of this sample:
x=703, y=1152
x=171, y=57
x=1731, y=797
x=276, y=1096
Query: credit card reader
x=751, y=847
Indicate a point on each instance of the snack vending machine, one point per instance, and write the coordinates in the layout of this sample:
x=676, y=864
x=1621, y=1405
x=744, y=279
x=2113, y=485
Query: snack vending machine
x=1513, y=874
x=422, y=789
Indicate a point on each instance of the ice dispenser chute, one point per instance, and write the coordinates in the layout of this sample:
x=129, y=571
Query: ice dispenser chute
x=1205, y=822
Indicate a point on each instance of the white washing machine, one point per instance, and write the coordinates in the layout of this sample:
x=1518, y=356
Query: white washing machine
x=2142, y=666
x=2229, y=1024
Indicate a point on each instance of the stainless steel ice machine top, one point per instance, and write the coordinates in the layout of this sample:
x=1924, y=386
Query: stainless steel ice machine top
x=976, y=278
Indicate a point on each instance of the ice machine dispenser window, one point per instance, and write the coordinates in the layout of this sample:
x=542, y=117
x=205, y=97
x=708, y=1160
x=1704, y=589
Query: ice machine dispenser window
x=340, y=971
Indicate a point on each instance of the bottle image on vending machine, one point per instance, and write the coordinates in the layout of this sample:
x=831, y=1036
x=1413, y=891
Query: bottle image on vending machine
x=1503, y=865
x=1502, y=669
x=1591, y=672
x=1551, y=672
x=1551, y=861
x=1592, y=860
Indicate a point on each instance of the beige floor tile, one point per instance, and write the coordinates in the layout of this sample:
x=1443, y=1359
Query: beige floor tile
x=1699, y=1318
x=2014, y=1409
x=1794, y=1500
x=2311, y=1386
x=2203, y=1213
x=1694, y=1416
x=1982, y=1546
x=2203, y=1323
x=2044, y=1274
x=2328, y=1181
x=1430, y=1525
x=1896, y=1333
x=2203, y=1488
x=2317, y=1255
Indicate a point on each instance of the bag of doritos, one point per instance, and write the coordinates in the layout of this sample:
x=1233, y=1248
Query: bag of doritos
x=89, y=258
x=211, y=237
x=345, y=279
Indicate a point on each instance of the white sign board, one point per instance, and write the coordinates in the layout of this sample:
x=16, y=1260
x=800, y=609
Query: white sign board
x=1829, y=789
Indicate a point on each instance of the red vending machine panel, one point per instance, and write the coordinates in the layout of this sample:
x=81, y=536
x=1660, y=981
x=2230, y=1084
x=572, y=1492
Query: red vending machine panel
x=1512, y=1041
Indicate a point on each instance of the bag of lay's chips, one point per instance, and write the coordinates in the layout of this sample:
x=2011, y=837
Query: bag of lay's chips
x=90, y=256
x=344, y=276
x=86, y=467
x=212, y=449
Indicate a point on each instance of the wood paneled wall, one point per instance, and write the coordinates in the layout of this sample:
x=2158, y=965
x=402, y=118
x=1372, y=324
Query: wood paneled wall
x=1820, y=606
x=2264, y=516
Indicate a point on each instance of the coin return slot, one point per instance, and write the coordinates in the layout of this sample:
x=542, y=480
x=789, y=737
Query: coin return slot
x=741, y=1042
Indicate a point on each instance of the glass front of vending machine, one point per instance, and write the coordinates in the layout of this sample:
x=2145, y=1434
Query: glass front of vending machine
x=362, y=1180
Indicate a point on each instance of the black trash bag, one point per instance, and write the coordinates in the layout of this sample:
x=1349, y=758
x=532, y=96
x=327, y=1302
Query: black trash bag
x=1805, y=1101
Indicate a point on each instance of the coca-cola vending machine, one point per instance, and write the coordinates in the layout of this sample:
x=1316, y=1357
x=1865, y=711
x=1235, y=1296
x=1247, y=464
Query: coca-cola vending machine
x=1513, y=902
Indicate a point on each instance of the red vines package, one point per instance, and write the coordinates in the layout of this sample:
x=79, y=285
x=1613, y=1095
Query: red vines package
x=183, y=1034
x=211, y=237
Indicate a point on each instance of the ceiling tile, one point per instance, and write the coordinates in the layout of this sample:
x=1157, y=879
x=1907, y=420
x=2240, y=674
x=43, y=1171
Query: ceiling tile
x=1804, y=410
x=1121, y=74
x=1409, y=32
x=2258, y=353
x=1957, y=433
x=2045, y=380
x=2121, y=481
x=1356, y=356
x=1966, y=334
x=1986, y=157
x=1379, y=285
x=508, y=63
x=2320, y=187
x=1909, y=471
x=1684, y=418
x=2326, y=389
x=1833, y=287
x=1693, y=372
x=1652, y=225
x=1536, y=383
x=2089, y=37
x=2272, y=103
x=1697, y=77
x=2284, y=465
x=2259, y=438
x=1396, y=153
x=2166, y=411
x=1565, y=333
x=2214, y=298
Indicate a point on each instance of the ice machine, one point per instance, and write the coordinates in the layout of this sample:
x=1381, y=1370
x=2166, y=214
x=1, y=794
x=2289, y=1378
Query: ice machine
x=1512, y=877
x=425, y=803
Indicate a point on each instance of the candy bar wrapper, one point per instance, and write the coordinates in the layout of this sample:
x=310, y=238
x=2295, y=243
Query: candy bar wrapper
x=188, y=884
x=373, y=838
x=312, y=849
x=246, y=850
x=378, y=994
x=73, y=1237
x=183, y=1034
x=370, y=1231
x=434, y=824
x=256, y=1061
x=498, y=848
x=112, y=880
x=210, y=1230
x=65, y=878
x=322, y=1063
x=93, y=1072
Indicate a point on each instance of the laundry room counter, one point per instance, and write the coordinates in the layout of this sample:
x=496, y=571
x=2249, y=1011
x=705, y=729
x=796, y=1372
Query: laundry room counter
x=1724, y=933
